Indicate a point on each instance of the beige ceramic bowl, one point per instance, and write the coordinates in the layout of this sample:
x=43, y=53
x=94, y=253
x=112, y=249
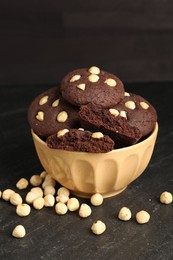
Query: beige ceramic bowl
x=88, y=173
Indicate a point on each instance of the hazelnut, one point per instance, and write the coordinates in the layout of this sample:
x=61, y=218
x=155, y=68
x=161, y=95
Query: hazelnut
x=16, y=199
x=124, y=214
x=142, y=217
x=38, y=203
x=23, y=210
x=49, y=200
x=22, y=184
x=96, y=199
x=98, y=227
x=73, y=204
x=61, y=208
x=7, y=194
x=36, y=180
x=166, y=197
x=64, y=191
x=85, y=211
x=19, y=231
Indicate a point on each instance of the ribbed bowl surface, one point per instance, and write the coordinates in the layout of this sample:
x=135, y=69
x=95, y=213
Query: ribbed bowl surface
x=88, y=173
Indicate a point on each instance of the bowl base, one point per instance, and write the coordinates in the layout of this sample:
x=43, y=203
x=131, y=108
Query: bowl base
x=105, y=195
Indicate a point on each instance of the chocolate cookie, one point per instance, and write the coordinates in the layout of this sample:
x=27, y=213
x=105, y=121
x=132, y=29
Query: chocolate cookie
x=49, y=113
x=81, y=141
x=83, y=86
x=139, y=113
x=126, y=123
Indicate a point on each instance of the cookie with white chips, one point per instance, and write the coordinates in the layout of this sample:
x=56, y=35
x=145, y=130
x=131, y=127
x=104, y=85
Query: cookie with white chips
x=49, y=113
x=81, y=141
x=126, y=123
x=139, y=113
x=92, y=85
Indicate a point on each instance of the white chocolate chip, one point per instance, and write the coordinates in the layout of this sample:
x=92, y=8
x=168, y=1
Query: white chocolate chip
x=0, y=193
x=93, y=78
x=94, y=70
x=126, y=94
x=81, y=129
x=123, y=114
x=62, y=132
x=144, y=105
x=142, y=217
x=75, y=78
x=166, y=197
x=97, y=135
x=98, y=227
x=62, y=117
x=111, y=82
x=19, y=231
x=55, y=103
x=43, y=100
x=124, y=214
x=114, y=112
x=40, y=116
x=130, y=104
x=81, y=86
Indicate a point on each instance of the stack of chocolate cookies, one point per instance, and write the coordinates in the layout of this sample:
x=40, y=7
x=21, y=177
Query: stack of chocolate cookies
x=91, y=112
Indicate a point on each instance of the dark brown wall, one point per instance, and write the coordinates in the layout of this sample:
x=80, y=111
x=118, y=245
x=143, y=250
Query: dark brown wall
x=40, y=41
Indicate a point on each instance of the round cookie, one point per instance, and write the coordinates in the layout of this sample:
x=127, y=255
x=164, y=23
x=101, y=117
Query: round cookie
x=138, y=113
x=83, y=86
x=81, y=141
x=49, y=113
x=126, y=123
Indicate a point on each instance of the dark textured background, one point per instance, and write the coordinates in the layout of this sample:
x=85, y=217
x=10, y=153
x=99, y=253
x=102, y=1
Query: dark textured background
x=50, y=236
x=40, y=41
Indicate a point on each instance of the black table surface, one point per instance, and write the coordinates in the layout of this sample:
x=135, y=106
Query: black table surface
x=50, y=236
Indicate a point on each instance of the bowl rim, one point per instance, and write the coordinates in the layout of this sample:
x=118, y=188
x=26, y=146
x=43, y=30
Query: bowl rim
x=154, y=132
